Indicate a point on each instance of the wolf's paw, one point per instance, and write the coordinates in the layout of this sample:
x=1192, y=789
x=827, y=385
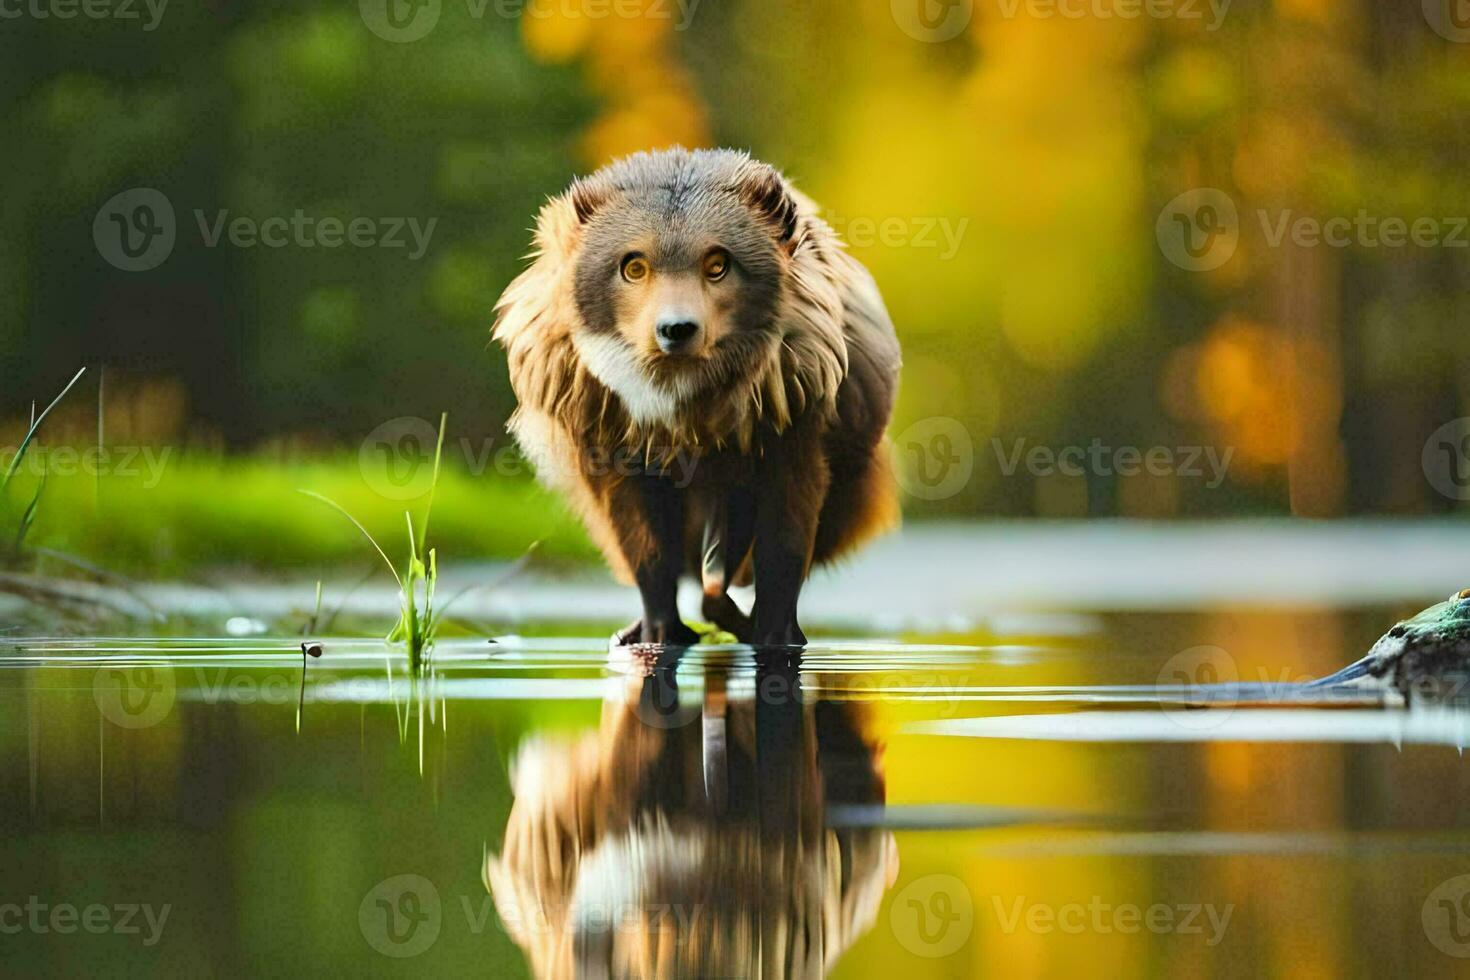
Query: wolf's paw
x=673, y=634
x=787, y=634
x=726, y=615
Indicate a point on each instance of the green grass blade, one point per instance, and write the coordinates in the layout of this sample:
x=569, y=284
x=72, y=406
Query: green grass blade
x=29, y=517
x=431, y=576
x=516, y=567
x=433, y=485
x=371, y=540
x=313, y=624
x=35, y=425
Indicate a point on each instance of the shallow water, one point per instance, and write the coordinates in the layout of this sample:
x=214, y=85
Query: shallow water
x=1054, y=796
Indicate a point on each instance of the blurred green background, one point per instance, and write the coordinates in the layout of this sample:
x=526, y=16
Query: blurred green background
x=1009, y=186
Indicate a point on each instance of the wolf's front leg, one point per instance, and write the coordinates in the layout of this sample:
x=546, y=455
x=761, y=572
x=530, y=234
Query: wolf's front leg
x=648, y=512
x=792, y=481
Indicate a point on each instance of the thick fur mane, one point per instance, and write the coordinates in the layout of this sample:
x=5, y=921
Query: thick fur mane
x=752, y=381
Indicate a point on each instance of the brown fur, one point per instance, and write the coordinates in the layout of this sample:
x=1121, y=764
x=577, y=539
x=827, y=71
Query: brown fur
x=784, y=421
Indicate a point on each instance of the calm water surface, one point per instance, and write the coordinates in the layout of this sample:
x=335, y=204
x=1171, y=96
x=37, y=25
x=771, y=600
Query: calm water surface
x=1047, y=797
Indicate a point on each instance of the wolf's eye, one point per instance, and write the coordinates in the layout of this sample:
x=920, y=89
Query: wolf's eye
x=635, y=268
x=716, y=264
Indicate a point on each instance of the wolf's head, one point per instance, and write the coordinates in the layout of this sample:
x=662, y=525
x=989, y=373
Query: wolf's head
x=681, y=252
x=696, y=286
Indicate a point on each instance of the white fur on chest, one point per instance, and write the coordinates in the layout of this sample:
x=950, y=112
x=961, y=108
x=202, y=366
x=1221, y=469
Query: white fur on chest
x=616, y=365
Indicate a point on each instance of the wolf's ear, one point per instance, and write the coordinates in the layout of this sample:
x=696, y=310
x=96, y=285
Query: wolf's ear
x=765, y=191
x=588, y=196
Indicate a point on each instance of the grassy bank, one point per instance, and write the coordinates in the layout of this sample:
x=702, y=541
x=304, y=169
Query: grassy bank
x=178, y=518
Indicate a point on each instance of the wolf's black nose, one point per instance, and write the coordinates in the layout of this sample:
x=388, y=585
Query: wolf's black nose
x=673, y=334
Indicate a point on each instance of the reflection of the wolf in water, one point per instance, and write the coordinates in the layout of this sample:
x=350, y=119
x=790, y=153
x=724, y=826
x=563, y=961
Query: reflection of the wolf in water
x=695, y=841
